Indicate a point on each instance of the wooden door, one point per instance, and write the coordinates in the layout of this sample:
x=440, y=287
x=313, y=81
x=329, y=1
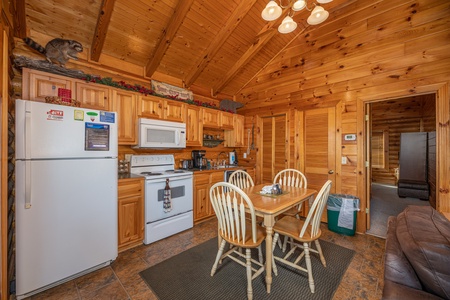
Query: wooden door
x=273, y=156
x=320, y=148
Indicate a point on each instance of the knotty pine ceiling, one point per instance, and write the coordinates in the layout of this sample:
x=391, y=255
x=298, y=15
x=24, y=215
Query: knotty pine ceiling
x=219, y=45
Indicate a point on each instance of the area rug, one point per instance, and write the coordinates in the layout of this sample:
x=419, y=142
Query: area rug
x=187, y=276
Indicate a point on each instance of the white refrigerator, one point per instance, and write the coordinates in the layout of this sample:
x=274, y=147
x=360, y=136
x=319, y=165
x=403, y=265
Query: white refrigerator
x=66, y=193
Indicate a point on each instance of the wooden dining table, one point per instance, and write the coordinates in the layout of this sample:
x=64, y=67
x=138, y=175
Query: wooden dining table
x=269, y=207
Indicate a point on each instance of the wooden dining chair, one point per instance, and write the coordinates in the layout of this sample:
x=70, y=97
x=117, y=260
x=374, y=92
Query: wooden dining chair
x=290, y=177
x=231, y=204
x=304, y=232
x=242, y=180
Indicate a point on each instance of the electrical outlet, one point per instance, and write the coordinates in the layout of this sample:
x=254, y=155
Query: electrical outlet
x=344, y=160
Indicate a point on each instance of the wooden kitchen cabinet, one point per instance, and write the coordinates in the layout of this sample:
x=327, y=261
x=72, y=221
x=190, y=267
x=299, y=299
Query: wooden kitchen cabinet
x=235, y=137
x=174, y=111
x=36, y=85
x=202, y=205
x=227, y=120
x=211, y=118
x=159, y=108
x=194, y=126
x=150, y=107
x=93, y=96
x=216, y=177
x=130, y=213
x=124, y=103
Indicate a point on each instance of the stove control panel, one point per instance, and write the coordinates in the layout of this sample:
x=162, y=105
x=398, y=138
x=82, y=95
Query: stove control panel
x=152, y=160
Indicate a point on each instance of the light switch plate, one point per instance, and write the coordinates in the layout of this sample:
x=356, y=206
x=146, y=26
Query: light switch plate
x=344, y=160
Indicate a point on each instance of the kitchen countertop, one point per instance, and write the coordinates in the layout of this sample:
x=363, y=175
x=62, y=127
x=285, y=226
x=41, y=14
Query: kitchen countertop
x=195, y=171
x=212, y=170
x=128, y=176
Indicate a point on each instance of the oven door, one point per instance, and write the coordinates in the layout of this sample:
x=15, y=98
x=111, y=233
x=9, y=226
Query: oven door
x=181, y=192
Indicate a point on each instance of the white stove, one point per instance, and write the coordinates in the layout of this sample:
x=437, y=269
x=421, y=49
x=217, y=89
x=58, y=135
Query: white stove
x=156, y=169
x=155, y=166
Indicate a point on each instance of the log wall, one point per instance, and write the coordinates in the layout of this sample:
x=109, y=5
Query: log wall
x=409, y=114
x=371, y=51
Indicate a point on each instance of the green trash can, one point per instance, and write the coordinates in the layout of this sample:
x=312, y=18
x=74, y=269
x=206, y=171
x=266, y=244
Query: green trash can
x=341, y=213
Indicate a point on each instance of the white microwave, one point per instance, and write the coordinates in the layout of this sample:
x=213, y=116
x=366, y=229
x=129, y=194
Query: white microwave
x=159, y=134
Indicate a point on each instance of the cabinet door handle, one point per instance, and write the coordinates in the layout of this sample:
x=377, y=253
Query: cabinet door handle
x=330, y=172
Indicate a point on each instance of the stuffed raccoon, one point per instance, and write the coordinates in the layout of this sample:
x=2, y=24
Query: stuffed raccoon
x=57, y=50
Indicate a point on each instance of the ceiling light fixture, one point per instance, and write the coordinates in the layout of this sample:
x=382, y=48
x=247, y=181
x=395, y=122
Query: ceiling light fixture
x=273, y=11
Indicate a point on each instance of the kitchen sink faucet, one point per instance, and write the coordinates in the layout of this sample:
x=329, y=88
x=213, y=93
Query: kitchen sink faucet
x=218, y=156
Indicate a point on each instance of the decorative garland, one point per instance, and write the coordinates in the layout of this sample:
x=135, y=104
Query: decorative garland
x=146, y=91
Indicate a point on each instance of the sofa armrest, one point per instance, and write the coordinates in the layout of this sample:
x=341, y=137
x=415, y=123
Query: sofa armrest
x=396, y=266
x=395, y=291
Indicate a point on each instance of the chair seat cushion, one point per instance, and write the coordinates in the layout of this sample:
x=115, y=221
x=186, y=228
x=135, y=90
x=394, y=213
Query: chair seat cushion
x=424, y=236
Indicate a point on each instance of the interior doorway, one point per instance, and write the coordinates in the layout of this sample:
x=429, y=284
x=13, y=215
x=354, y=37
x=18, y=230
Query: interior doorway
x=388, y=119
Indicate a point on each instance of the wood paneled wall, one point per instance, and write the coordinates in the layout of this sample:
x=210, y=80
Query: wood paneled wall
x=370, y=51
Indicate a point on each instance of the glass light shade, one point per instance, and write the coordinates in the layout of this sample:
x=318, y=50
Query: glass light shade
x=318, y=15
x=271, y=12
x=298, y=5
x=324, y=1
x=288, y=25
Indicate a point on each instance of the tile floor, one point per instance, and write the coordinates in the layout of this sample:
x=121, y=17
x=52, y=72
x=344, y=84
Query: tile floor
x=121, y=280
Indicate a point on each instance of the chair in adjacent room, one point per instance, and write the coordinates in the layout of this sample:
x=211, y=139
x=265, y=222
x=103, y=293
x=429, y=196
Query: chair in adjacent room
x=304, y=232
x=291, y=177
x=231, y=205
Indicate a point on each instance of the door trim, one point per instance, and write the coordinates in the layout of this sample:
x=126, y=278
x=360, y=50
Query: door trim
x=441, y=91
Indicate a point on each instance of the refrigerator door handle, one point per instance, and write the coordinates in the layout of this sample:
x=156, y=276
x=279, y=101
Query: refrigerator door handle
x=27, y=184
x=27, y=135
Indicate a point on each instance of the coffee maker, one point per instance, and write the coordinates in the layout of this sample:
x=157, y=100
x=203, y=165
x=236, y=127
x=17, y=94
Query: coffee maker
x=197, y=158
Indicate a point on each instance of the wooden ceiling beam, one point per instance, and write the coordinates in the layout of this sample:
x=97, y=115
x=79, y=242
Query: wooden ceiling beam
x=260, y=42
x=101, y=29
x=233, y=21
x=20, y=22
x=175, y=22
x=263, y=37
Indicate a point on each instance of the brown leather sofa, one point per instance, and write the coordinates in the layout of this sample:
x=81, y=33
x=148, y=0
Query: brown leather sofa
x=417, y=259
